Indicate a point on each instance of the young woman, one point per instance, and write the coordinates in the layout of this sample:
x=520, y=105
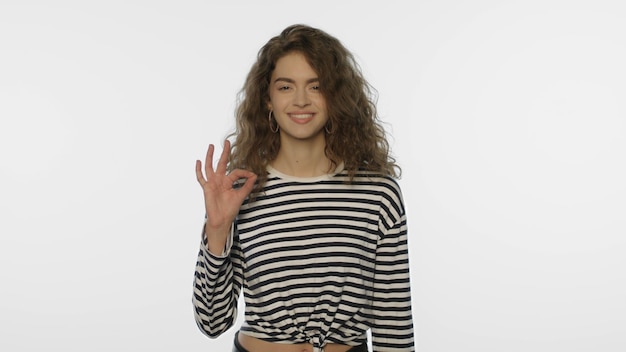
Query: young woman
x=303, y=212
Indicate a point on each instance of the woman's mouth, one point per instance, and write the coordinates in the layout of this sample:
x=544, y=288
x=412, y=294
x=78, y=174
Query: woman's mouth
x=301, y=118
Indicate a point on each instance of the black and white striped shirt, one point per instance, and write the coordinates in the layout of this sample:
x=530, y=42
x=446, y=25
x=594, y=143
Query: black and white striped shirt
x=319, y=261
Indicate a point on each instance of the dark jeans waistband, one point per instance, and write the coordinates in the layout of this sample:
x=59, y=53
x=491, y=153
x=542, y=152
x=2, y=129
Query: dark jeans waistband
x=239, y=348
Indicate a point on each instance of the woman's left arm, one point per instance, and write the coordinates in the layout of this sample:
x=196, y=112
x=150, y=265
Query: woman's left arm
x=391, y=314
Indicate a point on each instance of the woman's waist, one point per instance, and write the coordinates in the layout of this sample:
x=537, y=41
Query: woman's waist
x=253, y=344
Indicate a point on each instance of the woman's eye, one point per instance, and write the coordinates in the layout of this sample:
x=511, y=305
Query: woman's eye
x=283, y=88
x=315, y=87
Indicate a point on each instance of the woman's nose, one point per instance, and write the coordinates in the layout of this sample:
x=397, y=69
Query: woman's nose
x=301, y=98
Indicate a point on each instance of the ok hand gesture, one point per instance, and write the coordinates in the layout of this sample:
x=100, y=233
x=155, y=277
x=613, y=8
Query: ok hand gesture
x=221, y=200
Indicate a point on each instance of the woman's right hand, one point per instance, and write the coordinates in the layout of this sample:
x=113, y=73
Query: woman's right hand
x=221, y=200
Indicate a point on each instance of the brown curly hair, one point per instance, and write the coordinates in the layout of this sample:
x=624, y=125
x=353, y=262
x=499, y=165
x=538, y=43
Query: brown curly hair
x=354, y=134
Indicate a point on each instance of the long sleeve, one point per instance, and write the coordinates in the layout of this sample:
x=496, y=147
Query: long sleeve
x=391, y=316
x=217, y=285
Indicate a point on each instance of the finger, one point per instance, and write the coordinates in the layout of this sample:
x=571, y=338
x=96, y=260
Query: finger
x=199, y=175
x=223, y=162
x=250, y=177
x=248, y=186
x=239, y=174
x=208, y=161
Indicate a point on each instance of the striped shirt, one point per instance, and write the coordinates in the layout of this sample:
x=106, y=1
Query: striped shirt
x=320, y=261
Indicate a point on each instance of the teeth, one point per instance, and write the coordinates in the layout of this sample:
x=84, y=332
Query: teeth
x=301, y=116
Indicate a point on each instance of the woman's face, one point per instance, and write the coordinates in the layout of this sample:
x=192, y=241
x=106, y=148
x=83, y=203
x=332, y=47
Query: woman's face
x=295, y=98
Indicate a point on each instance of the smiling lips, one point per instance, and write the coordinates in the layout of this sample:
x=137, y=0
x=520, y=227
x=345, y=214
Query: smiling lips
x=301, y=118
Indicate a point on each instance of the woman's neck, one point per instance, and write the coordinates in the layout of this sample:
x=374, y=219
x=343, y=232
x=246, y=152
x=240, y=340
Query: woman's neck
x=302, y=159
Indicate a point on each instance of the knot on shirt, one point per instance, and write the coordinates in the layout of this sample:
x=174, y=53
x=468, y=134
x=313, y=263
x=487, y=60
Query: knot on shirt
x=317, y=341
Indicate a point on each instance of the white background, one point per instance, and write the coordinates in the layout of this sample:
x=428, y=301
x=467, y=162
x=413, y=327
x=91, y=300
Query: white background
x=508, y=118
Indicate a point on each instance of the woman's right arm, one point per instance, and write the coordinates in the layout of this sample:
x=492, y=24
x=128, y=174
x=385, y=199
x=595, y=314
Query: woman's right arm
x=219, y=273
x=218, y=281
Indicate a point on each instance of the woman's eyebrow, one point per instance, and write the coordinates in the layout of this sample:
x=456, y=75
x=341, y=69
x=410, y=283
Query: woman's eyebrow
x=289, y=80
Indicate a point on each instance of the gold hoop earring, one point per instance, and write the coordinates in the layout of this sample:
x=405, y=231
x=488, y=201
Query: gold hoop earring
x=328, y=130
x=269, y=117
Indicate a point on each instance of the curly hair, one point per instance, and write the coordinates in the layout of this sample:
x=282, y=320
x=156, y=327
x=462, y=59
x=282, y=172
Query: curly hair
x=354, y=134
